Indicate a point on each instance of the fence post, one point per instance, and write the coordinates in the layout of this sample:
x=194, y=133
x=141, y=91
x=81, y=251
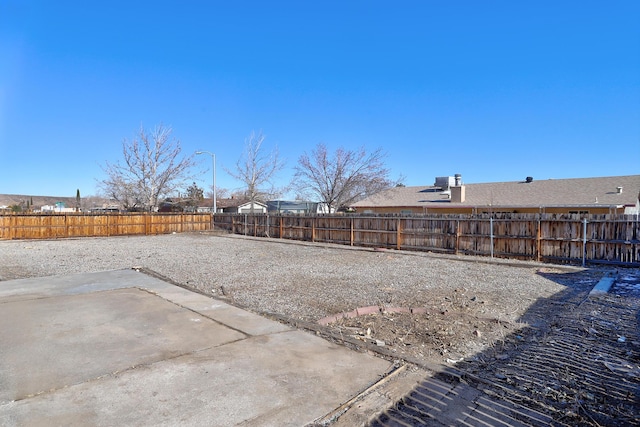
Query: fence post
x=351, y=234
x=539, y=240
x=584, y=241
x=280, y=225
x=457, y=248
x=12, y=226
x=491, y=231
x=313, y=228
x=399, y=234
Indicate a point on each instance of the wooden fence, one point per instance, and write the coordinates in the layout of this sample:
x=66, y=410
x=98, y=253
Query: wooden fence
x=51, y=226
x=548, y=238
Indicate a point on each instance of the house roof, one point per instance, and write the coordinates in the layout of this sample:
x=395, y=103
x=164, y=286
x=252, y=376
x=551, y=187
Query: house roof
x=224, y=203
x=248, y=203
x=233, y=202
x=551, y=192
x=291, y=205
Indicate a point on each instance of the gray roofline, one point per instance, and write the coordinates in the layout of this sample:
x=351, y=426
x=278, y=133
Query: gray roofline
x=454, y=205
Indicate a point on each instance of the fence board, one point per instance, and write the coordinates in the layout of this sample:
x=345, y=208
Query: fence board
x=547, y=237
x=53, y=226
x=555, y=238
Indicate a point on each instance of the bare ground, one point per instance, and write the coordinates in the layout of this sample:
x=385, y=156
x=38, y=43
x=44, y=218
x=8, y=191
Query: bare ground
x=476, y=315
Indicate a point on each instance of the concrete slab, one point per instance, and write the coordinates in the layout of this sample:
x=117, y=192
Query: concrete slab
x=79, y=283
x=234, y=317
x=60, y=341
x=123, y=348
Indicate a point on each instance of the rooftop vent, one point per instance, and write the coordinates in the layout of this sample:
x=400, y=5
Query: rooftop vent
x=528, y=179
x=444, y=182
x=619, y=190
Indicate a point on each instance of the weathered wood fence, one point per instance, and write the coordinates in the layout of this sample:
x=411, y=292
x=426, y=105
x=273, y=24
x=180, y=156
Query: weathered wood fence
x=51, y=226
x=548, y=238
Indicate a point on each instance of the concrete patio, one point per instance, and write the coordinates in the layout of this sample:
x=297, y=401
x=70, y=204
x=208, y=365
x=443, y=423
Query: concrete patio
x=124, y=348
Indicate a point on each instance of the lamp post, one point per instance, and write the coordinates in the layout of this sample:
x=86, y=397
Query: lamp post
x=213, y=159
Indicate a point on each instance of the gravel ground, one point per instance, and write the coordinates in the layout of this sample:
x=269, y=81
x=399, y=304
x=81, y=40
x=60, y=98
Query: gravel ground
x=469, y=302
x=303, y=281
x=474, y=313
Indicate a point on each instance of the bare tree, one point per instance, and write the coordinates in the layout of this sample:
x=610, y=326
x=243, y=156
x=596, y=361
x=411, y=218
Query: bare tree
x=222, y=193
x=341, y=178
x=256, y=169
x=152, y=168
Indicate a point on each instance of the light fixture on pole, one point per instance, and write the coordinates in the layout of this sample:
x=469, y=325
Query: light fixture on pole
x=213, y=158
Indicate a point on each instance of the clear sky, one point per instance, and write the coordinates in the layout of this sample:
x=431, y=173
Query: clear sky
x=493, y=90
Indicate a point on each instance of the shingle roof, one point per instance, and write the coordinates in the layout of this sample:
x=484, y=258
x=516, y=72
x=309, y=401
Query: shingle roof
x=225, y=203
x=550, y=192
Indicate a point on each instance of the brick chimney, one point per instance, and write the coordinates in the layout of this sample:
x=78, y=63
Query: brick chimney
x=457, y=194
x=458, y=190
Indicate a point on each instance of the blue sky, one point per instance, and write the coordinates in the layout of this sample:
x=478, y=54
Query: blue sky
x=493, y=90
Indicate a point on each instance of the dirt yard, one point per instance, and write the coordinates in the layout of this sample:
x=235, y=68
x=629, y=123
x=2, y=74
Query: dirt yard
x=462, y=305
x=476, y=315
x=460, y=323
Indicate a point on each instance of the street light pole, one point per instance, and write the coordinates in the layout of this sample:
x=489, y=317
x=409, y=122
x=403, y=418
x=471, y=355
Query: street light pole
x=213, y=159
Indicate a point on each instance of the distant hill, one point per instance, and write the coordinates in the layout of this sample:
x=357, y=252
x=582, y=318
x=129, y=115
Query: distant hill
x=38, y=201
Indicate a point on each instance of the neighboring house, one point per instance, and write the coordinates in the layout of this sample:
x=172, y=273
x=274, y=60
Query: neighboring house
x=105, y=209
x=234, y=205
x=206, y=205
x=171, y=205
x=249, y=207
x=59, y=207
x=604, y=195
x=181, y=204
x=297, y=207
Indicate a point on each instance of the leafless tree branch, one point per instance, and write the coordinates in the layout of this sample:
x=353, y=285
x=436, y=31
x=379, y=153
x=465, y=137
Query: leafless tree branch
x=256, y=168
x=151, y=168
x=343, y=177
